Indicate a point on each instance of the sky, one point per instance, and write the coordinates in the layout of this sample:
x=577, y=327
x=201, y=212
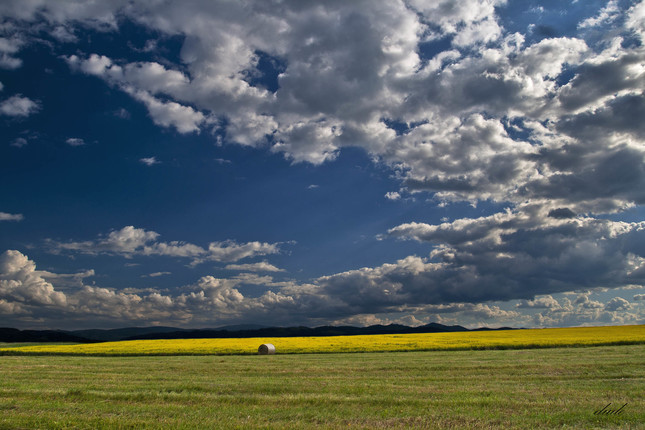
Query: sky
x=292, y=162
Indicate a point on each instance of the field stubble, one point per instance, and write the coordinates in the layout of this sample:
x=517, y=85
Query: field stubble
x=536, y=388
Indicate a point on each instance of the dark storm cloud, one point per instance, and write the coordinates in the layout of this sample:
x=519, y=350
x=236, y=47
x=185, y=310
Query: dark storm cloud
x=621, y=115
x=561, y=213
x=617, y=173
x=593, y=81
x=516, y=256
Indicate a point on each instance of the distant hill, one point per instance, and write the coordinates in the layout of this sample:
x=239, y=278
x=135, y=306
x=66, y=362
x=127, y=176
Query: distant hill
x=15, y=335
x=238, y=327
x=235, y=331
x=305, y=331
x=109, y=335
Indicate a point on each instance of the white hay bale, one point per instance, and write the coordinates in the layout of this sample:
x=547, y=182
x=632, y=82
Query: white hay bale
x=266, y=349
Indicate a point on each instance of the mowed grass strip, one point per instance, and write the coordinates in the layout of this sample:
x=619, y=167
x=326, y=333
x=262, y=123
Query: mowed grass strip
x=512, y=389
x=503, y=339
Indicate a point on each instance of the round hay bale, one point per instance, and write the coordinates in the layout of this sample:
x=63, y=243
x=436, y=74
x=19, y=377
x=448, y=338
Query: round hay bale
x=266, y=349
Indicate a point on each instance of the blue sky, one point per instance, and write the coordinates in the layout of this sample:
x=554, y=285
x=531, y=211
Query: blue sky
x=203, y=163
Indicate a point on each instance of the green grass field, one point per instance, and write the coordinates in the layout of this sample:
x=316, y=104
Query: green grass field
x=534, y=388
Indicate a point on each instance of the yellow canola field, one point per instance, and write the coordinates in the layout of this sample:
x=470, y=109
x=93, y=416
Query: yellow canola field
x=503, y=339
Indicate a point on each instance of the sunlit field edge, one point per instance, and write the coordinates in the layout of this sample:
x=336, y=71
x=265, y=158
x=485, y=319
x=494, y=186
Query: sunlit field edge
x=473, y=340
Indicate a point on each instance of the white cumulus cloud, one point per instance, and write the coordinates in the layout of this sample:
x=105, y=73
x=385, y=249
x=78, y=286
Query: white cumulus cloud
x=130, y=241
x=19, y=106
x=149, y=161
x=4, y=216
